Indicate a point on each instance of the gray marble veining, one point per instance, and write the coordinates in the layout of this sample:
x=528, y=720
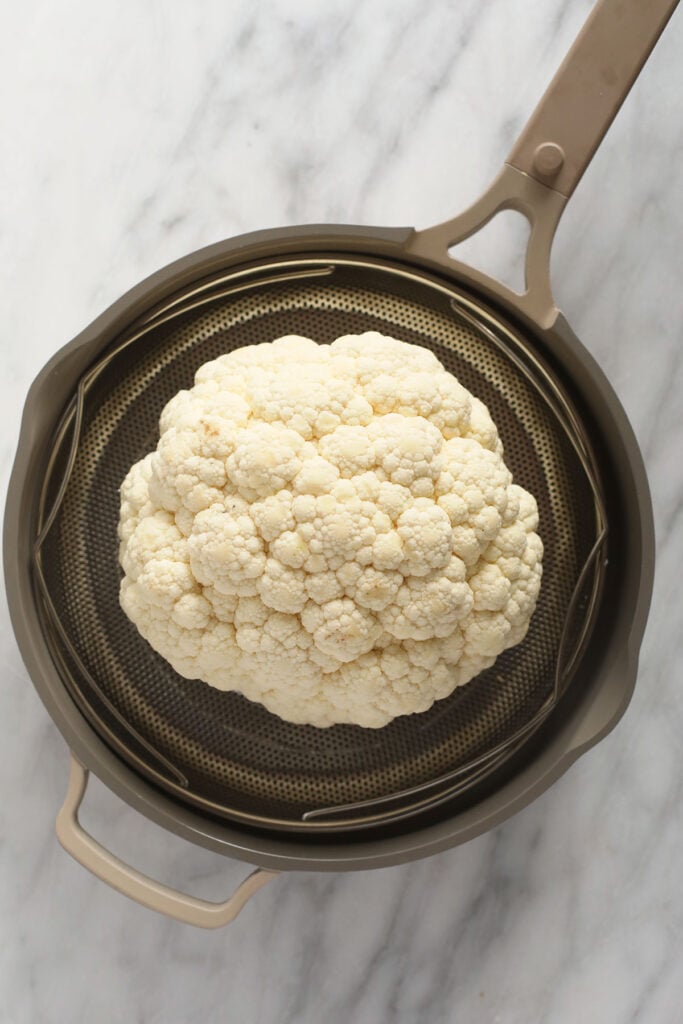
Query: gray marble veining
x=133, y=133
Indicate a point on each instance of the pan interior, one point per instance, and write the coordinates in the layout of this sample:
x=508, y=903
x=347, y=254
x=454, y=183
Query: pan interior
x=218, y=750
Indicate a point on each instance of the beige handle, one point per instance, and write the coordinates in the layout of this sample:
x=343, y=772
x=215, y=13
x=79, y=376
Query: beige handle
x=542, y=207
x=556, y=146
x=119, y=875
x=579, y=105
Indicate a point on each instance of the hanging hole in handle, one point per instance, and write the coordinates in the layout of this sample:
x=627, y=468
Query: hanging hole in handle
x=498, y=249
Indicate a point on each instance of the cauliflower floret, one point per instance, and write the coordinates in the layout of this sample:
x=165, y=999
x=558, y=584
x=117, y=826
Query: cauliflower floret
x=329, y=530
x=340, y=628
x=482, y=428
x=308, y=405
x=491, y=588
x=439, y=399
x=406, y=448
x=266, y=458
x=273, y=515
x=426, y=608
x=198, y=428
x=282, y=588
x=224, y=549
x=375, y=589
x=427, y=537
x=192, y=611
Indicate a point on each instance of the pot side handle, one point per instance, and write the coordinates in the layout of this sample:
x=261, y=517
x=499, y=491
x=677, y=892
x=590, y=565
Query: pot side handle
x=144, y=890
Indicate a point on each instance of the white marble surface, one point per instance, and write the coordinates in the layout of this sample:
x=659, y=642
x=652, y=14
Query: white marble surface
x=135, y=132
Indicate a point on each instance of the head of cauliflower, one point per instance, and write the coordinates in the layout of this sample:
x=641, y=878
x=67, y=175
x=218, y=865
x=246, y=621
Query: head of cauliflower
x=329, y=530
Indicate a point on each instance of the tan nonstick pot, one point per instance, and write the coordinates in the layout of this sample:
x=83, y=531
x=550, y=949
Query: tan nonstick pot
x=222, y=772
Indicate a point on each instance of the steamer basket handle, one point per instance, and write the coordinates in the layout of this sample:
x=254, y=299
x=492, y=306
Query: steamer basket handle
x=119, y=875
x=557, y=144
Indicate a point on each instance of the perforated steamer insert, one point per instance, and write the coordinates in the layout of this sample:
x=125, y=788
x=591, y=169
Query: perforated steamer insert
x=219, y=749
x=222, y=771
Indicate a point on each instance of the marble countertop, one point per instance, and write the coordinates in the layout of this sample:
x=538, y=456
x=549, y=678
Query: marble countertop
x=134, y=133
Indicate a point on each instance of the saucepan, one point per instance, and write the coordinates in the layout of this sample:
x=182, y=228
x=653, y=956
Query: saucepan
x=223, y=772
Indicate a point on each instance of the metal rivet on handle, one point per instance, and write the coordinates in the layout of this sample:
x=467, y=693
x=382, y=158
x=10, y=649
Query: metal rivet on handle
x=548, y=159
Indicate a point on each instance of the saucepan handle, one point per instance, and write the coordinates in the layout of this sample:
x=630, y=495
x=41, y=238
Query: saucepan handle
x=579, y=105
x=116, y=873
x=557, y=144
